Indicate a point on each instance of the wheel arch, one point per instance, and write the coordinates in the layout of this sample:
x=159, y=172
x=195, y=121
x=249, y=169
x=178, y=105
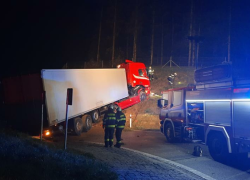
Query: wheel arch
x=218, y=129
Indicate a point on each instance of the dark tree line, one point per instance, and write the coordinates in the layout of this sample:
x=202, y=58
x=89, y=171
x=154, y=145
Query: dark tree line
x=47, y=34
x=150, y=31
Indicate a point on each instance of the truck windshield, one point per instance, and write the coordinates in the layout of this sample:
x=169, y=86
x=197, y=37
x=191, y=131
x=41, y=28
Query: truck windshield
x=142, y=72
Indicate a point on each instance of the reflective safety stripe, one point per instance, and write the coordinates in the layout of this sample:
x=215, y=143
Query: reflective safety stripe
x=111, y=126
x=119, y=142
x=111, y=140
x=120, y=127
x=107, y=139
x=111, y=114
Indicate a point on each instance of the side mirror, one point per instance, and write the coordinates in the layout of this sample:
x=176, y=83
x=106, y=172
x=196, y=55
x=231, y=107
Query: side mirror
x=162, y=102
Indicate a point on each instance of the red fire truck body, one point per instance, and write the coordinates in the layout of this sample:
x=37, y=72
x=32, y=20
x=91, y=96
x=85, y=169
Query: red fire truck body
x=216, y=113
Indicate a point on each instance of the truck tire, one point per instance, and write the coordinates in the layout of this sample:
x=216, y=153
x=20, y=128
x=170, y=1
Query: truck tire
x=169, y=133
x=78, y=125
x=217, y=146
x=95, y=116
x=143, y=96
x=87, y=122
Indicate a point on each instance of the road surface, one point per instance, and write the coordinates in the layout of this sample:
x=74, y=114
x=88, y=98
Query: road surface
x=154, y=143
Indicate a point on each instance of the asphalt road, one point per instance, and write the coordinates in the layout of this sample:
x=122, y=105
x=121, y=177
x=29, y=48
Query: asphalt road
x=154, y=143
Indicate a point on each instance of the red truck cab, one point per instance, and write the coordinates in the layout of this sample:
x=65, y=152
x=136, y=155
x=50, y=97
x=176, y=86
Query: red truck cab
x=137, y=81
x=136, y=75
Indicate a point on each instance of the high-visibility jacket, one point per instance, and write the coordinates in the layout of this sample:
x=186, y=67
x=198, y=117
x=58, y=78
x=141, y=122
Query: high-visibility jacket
x=109, y=120
x=121, y=119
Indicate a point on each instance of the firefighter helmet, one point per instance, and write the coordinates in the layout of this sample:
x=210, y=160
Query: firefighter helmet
x=111, y=106
x=119, y=109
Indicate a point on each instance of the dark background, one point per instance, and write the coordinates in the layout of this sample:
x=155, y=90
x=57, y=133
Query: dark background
x=45, y=34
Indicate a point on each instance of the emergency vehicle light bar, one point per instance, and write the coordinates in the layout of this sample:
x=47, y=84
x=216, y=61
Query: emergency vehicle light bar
x=199, y=100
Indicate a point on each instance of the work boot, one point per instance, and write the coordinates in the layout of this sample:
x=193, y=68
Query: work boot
x=110, y=145
x=117, y=145
x=106, y=144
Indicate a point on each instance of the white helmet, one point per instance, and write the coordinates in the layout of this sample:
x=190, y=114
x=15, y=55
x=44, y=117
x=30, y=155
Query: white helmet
x=119, y=109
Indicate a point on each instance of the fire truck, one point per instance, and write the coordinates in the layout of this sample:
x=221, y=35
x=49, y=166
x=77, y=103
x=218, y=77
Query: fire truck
x=214, y=111
x=93, y=91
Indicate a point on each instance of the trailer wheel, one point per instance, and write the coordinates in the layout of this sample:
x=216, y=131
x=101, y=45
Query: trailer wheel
x=169, y=133
x=78, y=125
x=143, y=96
x=217, y=146
x=95, y=116
x=87, y=122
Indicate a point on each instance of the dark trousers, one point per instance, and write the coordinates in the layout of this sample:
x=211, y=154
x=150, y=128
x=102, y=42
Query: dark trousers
x=108, y=137
x=118, y=135
x=151, y=77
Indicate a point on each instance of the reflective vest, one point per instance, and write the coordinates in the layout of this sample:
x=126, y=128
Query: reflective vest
x=109, y=119
x=121, y=119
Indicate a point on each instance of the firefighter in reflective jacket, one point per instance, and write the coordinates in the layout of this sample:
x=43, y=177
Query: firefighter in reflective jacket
x=121, y=120
x=109, y=123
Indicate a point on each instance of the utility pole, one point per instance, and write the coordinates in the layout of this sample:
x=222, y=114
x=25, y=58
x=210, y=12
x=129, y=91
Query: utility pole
x=162, y=35
x=99, y=38
x=152, y=38
x=113, y=49
x=190, y=34
x=135, y=33
x=195, y=40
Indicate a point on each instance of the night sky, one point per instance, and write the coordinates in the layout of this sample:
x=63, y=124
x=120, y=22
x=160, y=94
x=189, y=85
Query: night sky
x=46, y=34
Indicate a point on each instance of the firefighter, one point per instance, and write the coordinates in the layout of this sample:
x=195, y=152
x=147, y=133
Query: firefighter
x=150, y=73
x=109, y=124
x=121, y=120
x=171, y=78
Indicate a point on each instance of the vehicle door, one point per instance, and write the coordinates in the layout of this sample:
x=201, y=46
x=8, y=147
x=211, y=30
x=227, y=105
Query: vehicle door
x=176, y=112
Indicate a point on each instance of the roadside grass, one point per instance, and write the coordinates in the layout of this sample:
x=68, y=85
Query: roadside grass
x=22, y=157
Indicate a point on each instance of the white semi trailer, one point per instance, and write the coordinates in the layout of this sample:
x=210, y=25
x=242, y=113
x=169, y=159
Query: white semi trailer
x=93, y=89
